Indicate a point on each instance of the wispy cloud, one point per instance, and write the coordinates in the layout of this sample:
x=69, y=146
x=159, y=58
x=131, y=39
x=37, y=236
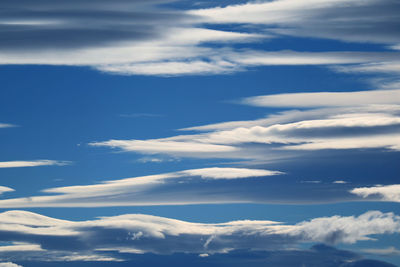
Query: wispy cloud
x=208, y=185
x=335, y=19
x=6, y=125
x=35, y=163
x=140, y=115
x=390, y=251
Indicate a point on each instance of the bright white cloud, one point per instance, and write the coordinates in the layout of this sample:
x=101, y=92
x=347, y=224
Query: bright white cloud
x=292, y=116
x=348, y=229
x=340, y=182
x=335, y=19
x=35, y=163
x=385, y=193
x=160, y=145
x=327, y=99
x=20, y=247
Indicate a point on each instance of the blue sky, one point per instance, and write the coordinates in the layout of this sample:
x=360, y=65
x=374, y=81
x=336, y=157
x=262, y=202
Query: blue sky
x=246, y=132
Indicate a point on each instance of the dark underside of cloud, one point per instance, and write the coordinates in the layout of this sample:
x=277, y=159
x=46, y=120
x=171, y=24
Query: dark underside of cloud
x=77, y=24
x=316, y=256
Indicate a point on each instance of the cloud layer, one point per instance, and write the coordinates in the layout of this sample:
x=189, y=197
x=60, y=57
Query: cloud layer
x=328, y=120
x=152, y=38
x=214, y=185
x=43, y=238
x=208, y=185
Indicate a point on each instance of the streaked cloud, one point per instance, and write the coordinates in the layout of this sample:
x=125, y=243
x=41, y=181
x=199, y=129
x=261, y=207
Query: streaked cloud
x=149, y=38
x=208, y=185
x=328, y=120
x=6, y=125
x=34, y=163
x=327, y=99
x=390, y=251
x=335, y=19
x=229, y=173
x=155, y=146
x=20, y=247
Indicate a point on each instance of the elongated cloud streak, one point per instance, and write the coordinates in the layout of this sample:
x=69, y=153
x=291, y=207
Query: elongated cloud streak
x=6, y=125
x=208, y=185
x=35, y=163
x=327, y=99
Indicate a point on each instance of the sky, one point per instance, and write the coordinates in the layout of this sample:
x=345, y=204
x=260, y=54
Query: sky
x=209, y=133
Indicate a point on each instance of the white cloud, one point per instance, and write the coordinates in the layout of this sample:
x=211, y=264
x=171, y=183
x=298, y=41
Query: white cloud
x=389, y=251
x=4, y=189
x=348, y=229
x=6, y=125
x=345, y=121
x=383, y=67
x=20, y=247
x=136, y=191
x=9, y=264
x=391, y=142
x=229, y=173
x=385, y=193
x=173, y=68
x=35, y=163
x=160, y=145
x=146, y=39
x=327, y=99
x=340, y=182
x=291, y=116
x=166, y=236
x=335, y=19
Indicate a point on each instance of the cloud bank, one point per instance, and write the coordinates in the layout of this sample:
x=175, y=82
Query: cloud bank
x=51, y=239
